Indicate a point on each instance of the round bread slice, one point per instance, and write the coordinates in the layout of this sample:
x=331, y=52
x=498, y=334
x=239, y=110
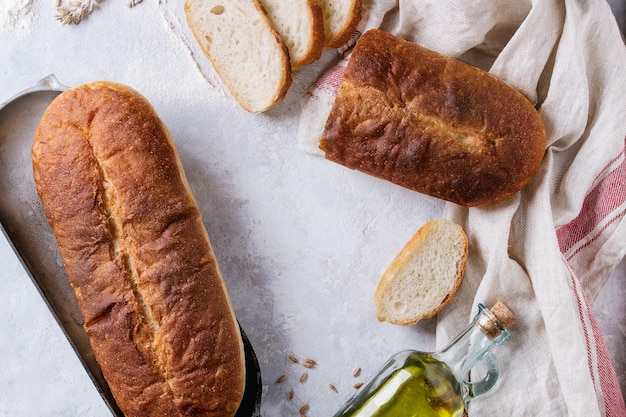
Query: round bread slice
x=244, y=48
x=300, y=24
x=341, y=18
x=424, y=276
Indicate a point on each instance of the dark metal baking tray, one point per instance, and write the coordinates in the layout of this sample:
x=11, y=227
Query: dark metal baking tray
x=23, y=223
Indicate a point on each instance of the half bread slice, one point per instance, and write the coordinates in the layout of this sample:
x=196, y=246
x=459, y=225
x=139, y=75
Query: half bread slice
x=300, y=23
x=424, y=276
x=245, y=50
x=341, y=18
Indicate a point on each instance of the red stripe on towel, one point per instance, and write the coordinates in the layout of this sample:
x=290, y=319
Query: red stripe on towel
x=609, y=385
x=613, y=399
x=599, y=206
x=330, y=81
x=602, y=207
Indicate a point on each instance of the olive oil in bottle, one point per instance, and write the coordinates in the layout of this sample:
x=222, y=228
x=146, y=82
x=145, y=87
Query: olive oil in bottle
x=420, y=384
x=412, y=381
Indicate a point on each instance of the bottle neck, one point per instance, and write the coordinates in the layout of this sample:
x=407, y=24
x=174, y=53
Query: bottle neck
x=483, y=334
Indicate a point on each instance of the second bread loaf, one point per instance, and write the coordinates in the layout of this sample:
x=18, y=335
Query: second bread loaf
x=432, y=124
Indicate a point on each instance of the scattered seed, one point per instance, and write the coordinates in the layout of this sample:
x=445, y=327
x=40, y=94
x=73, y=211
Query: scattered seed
x=304, y=377
x=304, y=408
x=293, y=359
x=281, y=379
x=310, y=363
x=290, y=395
x=332, y=387
x=358, y=385
x=356, y=372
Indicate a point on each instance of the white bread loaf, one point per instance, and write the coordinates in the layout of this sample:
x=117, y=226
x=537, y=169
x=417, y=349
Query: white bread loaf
x=300, y=23
x=432, y=124
x=424, y=276
x=340, y=20
x=244, y=48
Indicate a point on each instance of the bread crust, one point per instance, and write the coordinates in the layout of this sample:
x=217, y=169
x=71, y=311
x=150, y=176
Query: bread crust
x=339, y=37
x=137, y=255
x=432, y=124
x=286, y=72
x=318, y=38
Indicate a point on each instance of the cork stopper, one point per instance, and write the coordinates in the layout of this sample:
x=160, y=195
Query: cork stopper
x=495, y=320
x=503, y=314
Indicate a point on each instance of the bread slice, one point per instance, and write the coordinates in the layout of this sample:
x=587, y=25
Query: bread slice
x=340, y=20
x=245, y=50
x=300, y=23
x=424, y=276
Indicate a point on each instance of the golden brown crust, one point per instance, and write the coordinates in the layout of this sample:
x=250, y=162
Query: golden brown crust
x=137, y=255
x=432, y=124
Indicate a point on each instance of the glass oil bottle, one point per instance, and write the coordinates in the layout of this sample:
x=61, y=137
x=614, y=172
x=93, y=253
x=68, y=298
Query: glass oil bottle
x=421, y=384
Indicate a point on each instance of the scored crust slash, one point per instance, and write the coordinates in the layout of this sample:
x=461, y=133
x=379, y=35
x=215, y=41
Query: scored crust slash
x=432, y=124
x=139, y=260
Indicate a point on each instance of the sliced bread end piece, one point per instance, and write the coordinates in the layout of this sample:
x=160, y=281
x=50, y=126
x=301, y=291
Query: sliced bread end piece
x=301, y=26
x=341, y=18
x=424, y=276
x=244, y=48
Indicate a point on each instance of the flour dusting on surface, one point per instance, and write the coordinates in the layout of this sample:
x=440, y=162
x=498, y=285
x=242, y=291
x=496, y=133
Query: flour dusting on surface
x=17, y=15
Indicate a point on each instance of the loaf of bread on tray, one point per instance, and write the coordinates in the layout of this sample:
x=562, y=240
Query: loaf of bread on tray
x=154, y=304
x=432, y=124
x=424, y=276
